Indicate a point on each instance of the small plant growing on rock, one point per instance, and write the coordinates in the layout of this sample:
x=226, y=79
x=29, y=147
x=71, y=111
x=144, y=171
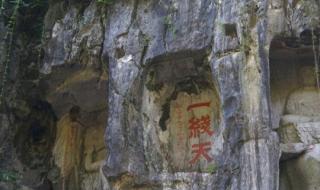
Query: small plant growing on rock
x=168, y=22
x=9, y=37
x=2, y=6
x=212, y=168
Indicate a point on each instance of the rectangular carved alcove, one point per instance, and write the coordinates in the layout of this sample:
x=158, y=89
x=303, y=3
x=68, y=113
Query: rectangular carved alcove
x=183, y=110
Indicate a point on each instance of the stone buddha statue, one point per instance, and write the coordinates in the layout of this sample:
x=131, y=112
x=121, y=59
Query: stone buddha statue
x=302, y=111
x=67, y=148
x=300, y=136
x=94, y=149
x=93, y=157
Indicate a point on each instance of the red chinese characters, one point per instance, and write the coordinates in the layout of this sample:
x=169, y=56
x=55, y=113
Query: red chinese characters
x=203, y=104
x=178, y=110
x=198, y=126
x=201, y=150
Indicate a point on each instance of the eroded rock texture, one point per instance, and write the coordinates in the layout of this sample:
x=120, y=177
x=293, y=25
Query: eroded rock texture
x=230, y=40
x=77, y=89
x=56, y=139
x=201, y=94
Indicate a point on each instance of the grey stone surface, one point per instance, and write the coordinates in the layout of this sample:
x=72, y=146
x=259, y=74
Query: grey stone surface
x=302, y=172
x=155, y=51
x=232, y=36
x=292, y=150
x=299, y=133
x=231, y=85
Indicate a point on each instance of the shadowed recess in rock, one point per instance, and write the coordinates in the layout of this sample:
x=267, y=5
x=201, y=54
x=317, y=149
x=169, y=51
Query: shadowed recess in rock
x=295, y=100
x=182, y=107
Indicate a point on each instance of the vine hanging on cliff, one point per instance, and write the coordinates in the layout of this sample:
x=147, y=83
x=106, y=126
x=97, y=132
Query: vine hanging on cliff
x=2, y=7
x=316, y=56
x=313, y=13
x=8, y=39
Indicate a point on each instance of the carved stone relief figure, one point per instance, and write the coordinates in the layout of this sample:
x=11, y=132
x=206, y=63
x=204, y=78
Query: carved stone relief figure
x=300, y=135
x=303, y=104
x=79, y=150
x=302, y=111
x=67, y=148
x=94, y=149
x=93, y=157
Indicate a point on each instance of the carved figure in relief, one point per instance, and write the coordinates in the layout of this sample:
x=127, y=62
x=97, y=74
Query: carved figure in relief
x=94, y=149
x=302, y=111
x=66, y=151
x=299, y=126
x=303, y=105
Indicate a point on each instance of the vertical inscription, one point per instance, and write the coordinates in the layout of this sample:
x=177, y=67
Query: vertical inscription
x=178, y=110
x=191, y=132
x=200, y=126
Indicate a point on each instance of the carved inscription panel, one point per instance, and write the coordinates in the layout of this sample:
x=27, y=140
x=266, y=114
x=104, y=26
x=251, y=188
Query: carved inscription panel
x=192, y=129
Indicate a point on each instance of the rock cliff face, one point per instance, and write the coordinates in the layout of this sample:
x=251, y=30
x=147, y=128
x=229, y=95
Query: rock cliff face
x=190, y=94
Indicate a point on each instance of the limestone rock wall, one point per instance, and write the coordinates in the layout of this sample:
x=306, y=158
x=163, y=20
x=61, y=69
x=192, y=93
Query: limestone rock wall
x=143, y=43
x=75, y=78
x=185, y=89
x=27, y=121
x=40, y=115
x=236, y=48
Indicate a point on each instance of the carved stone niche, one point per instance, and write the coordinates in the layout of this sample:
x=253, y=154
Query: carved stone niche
x=69, y=86
x=181, y=112
x=295, y=101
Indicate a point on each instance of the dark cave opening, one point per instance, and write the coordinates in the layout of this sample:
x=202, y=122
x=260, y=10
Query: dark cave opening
x=36, y=134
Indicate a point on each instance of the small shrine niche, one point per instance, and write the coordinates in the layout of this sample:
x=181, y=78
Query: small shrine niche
x=295, y=98
x=78, y=97
x=182, y=106
x=292, y=69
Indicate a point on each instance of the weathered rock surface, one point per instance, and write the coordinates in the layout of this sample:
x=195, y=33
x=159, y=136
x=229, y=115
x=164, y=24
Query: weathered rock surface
x=76, y=77
x=196, y=90
x=246, y=150
x=302, y=172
